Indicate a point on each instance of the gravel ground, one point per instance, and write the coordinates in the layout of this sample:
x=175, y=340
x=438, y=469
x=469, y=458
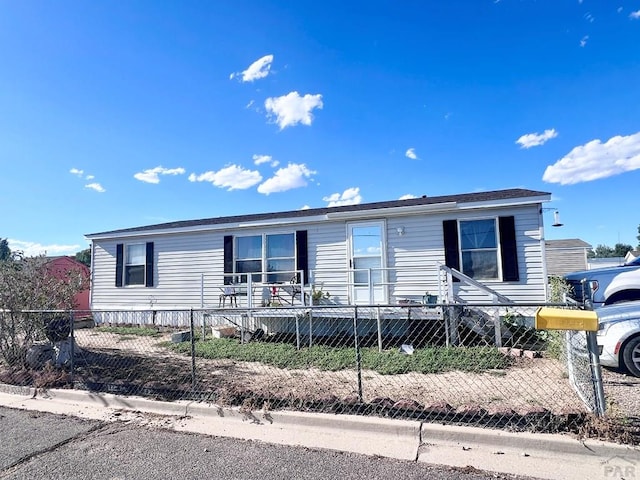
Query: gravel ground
x=622, y=392
x=530, y=386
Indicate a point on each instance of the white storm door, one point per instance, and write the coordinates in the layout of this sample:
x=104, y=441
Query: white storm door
x=366, y=242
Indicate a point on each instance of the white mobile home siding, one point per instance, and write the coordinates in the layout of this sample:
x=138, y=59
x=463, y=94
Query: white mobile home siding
x=183, y=260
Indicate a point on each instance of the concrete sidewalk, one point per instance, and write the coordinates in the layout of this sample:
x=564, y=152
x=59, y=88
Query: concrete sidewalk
x=538, y=455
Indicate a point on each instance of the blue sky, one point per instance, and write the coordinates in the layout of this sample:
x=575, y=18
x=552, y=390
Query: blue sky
x=120, y=114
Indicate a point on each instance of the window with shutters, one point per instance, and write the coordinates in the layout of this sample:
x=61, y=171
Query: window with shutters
x=275, y=254
x=479, y=249
x=485, y=249
x=134, y=265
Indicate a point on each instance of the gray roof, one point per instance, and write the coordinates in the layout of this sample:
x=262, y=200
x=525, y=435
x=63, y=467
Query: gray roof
x=567, y=243
x=495, y=195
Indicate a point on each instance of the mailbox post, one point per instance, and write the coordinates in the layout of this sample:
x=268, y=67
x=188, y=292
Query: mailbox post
x=549, y=318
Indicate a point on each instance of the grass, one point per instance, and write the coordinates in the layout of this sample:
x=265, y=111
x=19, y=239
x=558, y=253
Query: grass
x=284, y=355
x=131, y=331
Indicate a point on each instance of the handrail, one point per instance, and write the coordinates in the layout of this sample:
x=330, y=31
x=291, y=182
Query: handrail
x=461, y=276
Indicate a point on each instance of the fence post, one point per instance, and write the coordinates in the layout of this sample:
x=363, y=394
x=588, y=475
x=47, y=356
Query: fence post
x=450, y=315
x=297, y=332
x=193, y=349
x=204, y=325
x=596, y=373
x=358, y=356
x=311, y=327
x=73, y=345
x=379, y=321
x=497, y=323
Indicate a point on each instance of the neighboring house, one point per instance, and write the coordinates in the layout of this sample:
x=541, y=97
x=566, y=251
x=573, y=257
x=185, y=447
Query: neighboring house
x=631, y=255
x=377, y=253
x=566, y=256
x=60, y=268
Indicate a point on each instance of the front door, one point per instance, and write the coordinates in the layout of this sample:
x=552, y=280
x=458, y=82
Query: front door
x=366, y=241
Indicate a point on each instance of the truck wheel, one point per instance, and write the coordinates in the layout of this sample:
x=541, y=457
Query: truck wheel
x=631, y=356
x=624, y=296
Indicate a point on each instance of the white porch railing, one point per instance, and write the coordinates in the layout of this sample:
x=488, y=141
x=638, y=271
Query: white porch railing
x=376, y=286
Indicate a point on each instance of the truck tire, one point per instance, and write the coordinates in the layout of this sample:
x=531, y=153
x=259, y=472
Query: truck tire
x=631, y=356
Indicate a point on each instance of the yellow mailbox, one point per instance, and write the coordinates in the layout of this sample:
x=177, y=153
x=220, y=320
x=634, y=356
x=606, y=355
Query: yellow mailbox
x=549, y=318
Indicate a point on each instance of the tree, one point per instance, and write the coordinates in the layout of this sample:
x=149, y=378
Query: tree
x=621, y=249
x=27, y=288
x=84, y=256
x=5, y=251
x=603, y=251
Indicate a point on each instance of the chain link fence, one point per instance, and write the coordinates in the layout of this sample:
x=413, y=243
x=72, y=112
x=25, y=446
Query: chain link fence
x=479, y=365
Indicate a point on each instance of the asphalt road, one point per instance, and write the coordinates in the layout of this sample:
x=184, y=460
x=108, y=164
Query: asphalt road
x=37, y=445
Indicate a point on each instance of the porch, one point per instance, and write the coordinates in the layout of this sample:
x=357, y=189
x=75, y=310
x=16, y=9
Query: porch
x=373, y=286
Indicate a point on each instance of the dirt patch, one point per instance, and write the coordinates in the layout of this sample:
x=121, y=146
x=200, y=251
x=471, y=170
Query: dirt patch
x=532, y=394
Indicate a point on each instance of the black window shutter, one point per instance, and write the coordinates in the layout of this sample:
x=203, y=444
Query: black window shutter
x=451, y=248
x=228, y=259
x=508, y=248
x=148, y=277
x=119, y=264
x=302, y=256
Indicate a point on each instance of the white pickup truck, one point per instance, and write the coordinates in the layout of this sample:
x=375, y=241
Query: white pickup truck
x=605, y=286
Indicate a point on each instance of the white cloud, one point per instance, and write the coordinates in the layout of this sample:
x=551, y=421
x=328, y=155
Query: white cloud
x=411, y=153
x=534, y=139
x=408, y=196
x=260, y=159
x=583, y=40
x=595, y=160
x=231, y=177
x=32, y=249
x=287, y=178
x=95, y=186
x=351, y=196
x=305, y=207
x=258, y=69
x=589, y=17
x=92, y=186
x=151, y=175
x=634, y=15
x=291, y=109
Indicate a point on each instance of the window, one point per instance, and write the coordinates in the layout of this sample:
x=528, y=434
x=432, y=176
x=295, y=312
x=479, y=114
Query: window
x=479, y=248
x=278, y=255
x=134, y=264
x=476, y=247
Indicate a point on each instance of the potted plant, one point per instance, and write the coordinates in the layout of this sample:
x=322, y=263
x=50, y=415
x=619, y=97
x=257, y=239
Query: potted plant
x=430, y=299
x=317, y=294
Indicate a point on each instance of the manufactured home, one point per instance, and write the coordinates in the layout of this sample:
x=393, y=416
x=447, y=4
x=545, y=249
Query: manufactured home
x=472, y=247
